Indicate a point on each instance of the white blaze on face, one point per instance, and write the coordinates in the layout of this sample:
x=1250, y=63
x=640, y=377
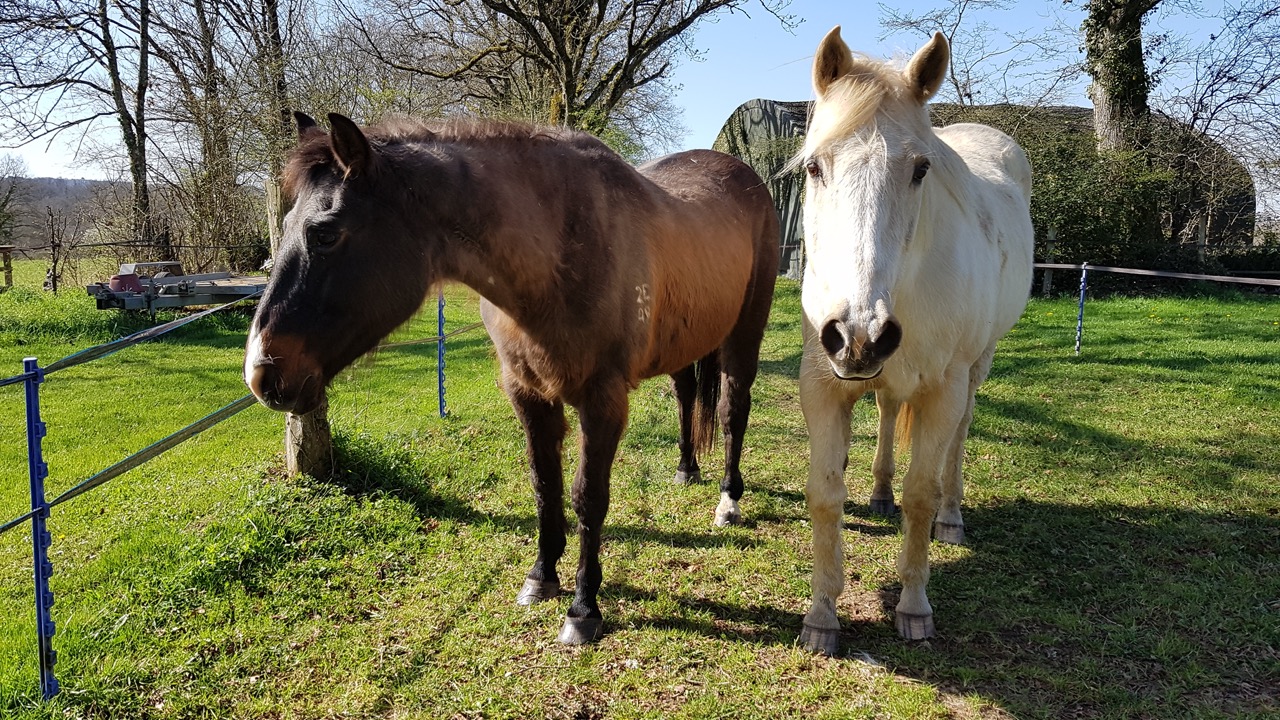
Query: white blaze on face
x=253, y=354
x=844, y=221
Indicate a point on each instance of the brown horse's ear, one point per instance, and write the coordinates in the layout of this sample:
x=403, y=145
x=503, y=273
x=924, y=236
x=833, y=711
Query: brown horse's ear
x=928, y=67
x=350, y=145
x=832, y=61
x=305, y=122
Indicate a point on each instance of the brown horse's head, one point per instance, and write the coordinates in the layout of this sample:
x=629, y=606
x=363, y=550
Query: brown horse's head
x=347, y=272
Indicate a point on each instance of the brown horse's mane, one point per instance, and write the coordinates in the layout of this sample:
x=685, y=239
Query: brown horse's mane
x=314, y=152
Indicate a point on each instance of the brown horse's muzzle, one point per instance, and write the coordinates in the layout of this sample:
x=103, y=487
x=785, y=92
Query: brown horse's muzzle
x=856, y=353
x=281, y=374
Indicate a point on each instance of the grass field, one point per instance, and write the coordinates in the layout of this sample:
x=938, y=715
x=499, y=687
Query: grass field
x=1122, y=514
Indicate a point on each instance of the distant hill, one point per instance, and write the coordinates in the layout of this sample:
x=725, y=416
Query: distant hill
x=65, y=196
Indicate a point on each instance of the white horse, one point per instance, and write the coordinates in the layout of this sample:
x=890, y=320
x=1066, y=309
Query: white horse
x=919, y=254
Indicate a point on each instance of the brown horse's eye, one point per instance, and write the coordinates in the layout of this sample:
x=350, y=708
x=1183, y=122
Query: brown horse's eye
x=814, y=169
x=322, y=239
x=921, y=170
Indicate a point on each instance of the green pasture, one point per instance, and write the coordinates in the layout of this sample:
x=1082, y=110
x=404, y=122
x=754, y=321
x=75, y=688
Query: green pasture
x=1122, y=515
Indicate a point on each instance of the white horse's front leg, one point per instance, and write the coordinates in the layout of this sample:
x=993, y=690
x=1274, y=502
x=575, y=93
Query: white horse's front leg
x=826, y=415
x=933, y=428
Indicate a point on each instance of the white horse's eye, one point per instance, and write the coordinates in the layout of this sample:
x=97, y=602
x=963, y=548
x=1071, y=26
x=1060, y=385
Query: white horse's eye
x=814, y=169
x=921, y=170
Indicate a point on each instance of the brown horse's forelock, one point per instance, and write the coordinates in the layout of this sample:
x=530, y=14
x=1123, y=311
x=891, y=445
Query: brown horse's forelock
x=313, y=152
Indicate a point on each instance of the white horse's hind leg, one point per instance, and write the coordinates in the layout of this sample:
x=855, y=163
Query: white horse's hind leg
x=949, y=525
x=883, y=467
x=934, y=425
x=826, y=414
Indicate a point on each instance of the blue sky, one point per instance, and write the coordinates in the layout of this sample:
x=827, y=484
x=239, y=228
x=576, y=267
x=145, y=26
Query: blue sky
x=755, y=57
x=749, y=55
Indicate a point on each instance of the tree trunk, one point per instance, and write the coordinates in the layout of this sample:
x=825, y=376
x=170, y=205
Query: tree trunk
x=1121, y=116
x=277, y=143
x=308, y=443
x=1113, y=57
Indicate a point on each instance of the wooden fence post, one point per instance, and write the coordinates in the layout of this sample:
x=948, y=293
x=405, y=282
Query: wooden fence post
x=308, y=442
x=1051, y=241
x=6, y=257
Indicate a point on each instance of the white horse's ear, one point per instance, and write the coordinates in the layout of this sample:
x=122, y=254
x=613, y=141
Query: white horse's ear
x=832, y=61
x=928, y=67
x=350, y=146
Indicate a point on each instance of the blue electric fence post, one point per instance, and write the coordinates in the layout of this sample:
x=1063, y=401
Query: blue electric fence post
x=440, y=350
x=40, y=537
x=1084, y=281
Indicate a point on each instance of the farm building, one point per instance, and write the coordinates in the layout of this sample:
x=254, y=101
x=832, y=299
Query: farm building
x=1207, y=195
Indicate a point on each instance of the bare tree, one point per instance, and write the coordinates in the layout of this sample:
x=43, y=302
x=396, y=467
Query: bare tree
x=12, y=171
x=989, y=63
x=581, y=63
x=67, y=63
x=1226, y=91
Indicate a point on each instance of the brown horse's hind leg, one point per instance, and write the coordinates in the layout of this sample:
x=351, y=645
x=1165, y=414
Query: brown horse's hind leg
x=604, y=418
x=735, y=406
x=544, y=429
x=739, y=363
x=685, y=384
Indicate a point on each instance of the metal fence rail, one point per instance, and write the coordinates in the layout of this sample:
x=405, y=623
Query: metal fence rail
x=32, y=377
x=1085, y=268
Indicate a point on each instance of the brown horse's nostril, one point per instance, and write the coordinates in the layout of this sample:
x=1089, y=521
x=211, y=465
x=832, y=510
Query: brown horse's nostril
x=833, y=340
x=264, y=381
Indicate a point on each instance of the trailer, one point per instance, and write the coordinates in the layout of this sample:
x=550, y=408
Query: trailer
x=154, y=285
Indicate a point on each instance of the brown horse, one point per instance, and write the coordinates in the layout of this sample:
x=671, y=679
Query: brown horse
x=595, y=276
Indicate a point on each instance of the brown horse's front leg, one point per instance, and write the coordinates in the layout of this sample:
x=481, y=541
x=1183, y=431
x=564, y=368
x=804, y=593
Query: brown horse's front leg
x=544, y=429
x=604, y=418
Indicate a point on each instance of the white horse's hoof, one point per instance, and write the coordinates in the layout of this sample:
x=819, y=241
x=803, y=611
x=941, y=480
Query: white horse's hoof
x=684, y=477
x=948, y=533
x=913, y=627
x=535, y=591
x=883, y=507
x=824, y=641
x=580, y=631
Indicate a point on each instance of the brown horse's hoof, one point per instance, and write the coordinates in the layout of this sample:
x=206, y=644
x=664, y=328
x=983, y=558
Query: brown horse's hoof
x=884, y=508
x=684, y=477
x=824, y=641
x=726, y=519
x=948, y=533
x=580, y=631
x=537, y=590
x=913, y=627
x=728, y=512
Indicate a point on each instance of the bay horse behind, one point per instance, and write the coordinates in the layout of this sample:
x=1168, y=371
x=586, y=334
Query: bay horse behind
x=594, y=277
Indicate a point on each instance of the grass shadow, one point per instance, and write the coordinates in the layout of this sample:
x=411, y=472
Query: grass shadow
x=1063, y=610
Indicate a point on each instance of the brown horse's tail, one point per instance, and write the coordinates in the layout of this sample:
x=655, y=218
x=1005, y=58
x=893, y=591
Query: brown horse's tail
x=706, y=401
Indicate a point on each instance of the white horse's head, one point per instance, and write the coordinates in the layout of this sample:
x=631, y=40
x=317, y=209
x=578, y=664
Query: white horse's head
x=867, y=154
